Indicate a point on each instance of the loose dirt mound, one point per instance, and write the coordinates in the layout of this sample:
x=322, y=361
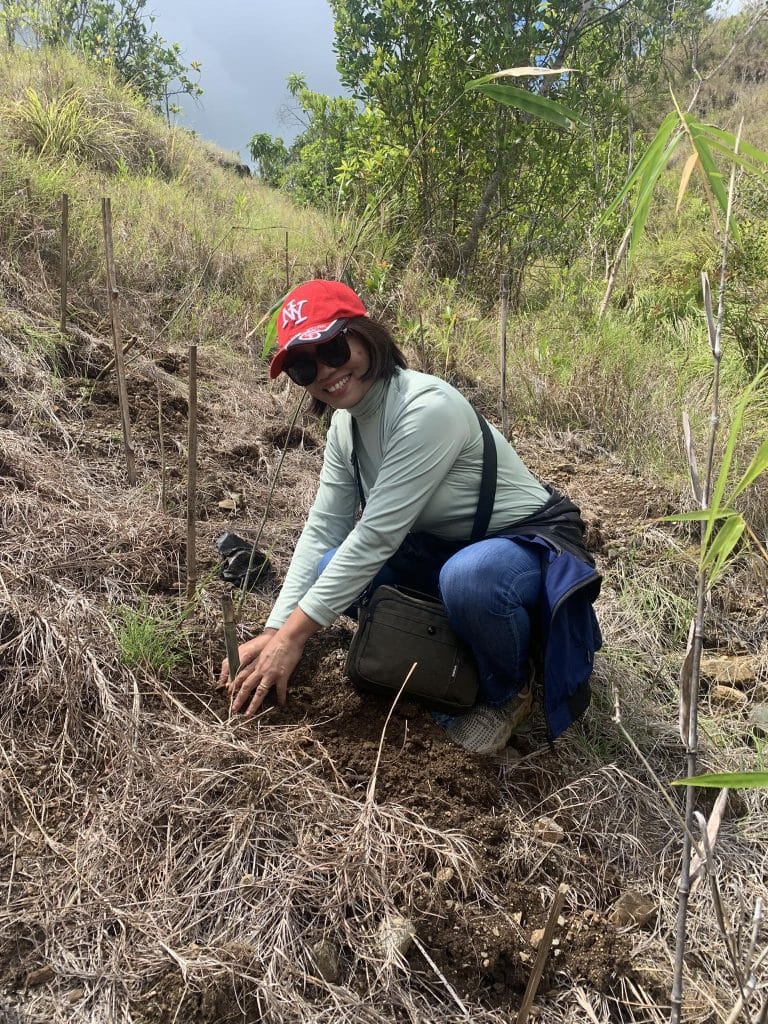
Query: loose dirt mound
x=163, y=862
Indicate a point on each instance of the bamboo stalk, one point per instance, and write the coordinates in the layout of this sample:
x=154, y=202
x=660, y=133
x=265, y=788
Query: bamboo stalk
x=114, y=311
x=64, y=273
x=702, y=589
x=192, y=474
x=230, y=637
x=541, y=955
x=614, y=271
x=503, y=314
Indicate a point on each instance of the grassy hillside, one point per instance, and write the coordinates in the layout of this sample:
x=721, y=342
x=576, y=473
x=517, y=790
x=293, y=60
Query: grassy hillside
x=163, y=861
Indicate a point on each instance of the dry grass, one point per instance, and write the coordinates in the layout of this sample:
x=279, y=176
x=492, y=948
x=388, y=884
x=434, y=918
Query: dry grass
x=166, y=865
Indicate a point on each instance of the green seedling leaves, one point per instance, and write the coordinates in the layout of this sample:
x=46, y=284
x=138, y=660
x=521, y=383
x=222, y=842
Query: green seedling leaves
x=725, y=527
x=712, y=178
x=716, y=554
x=270, y=334
x=706, y=141
x=699, y=515
x=647, y=166
x=726, y=780
x=726, y=141
x=757, y=466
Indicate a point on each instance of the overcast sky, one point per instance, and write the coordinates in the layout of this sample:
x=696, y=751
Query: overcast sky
x=247, y=49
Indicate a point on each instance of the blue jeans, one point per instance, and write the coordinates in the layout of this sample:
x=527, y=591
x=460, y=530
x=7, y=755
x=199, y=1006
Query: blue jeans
x=489, y=590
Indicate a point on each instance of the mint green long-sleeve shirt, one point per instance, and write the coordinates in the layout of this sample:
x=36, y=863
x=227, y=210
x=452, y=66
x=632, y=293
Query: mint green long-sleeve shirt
x=420, y=451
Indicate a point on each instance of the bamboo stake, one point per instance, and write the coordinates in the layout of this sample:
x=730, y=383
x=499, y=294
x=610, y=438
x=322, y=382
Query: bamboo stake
x=64, y=259
x=230, y=637
x=503, y=314
x=114, y=310
x=192, y=474
x=287, y=267
x=541, y=955
x=161, y=437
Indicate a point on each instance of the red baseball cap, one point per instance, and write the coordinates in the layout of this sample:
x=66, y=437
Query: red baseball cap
x=314, y=312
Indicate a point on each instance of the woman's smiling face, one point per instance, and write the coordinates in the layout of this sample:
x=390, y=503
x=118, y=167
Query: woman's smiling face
x=342, y=387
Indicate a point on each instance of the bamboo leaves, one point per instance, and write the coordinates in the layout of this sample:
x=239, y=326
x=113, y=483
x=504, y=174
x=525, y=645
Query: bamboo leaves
x=724, y=527
x=706, y=142
x=521, y=99
x=726, y=780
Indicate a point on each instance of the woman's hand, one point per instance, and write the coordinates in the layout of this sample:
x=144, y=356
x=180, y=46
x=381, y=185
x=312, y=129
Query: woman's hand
x=267, y=661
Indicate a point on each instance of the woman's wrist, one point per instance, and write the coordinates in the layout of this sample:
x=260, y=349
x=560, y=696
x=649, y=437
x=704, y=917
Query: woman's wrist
x=298, y=627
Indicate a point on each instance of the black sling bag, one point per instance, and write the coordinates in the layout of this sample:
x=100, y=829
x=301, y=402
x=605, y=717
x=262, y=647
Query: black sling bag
x=399, y=627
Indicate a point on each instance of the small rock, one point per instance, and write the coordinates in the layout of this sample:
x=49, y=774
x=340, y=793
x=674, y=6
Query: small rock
x=727, y=696
x=40, y=976
x=633, y=908
x=326, y=957
x=486, y=962
x=548, y=830
x=495, y=931
x=75, y=995
x=444, y=875
x=395, y=935
x=536, y=936
x=733, y=669
x=228, y=505
x=758, y=718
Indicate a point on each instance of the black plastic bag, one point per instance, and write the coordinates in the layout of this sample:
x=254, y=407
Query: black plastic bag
x=235, y=554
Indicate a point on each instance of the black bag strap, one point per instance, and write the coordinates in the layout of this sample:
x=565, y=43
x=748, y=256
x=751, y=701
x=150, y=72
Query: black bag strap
x=487, y=482
x=487, y=494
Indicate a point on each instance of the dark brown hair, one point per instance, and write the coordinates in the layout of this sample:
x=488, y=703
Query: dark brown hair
x=384, y=355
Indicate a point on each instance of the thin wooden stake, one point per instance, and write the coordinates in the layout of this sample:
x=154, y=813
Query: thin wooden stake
x=230, y=637
x=287, y=267
x=503, y=314
x=64, y=277
x=541, y=955
x=114, y=310
x=192, y=474
x=161, y=438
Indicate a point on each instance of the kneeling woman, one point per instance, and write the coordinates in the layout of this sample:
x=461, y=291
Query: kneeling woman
x=414, y=447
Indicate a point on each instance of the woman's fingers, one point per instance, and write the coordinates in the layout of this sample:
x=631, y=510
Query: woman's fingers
x=224, y=674
x=258, y=698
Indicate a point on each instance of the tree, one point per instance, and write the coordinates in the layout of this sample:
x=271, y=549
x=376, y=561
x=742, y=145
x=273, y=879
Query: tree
x=481, y=175
x=310, y=168
x=115, y=32
x=271, y=158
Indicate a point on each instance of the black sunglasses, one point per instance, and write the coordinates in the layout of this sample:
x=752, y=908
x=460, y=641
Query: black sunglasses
x=302, y=367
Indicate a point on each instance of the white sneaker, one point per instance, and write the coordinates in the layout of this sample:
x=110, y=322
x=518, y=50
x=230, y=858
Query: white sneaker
x=487, y=730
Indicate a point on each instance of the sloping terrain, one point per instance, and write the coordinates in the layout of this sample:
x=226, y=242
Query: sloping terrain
x=163, y=861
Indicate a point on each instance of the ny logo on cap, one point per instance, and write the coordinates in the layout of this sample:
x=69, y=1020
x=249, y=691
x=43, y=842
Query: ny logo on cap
x=293, y=312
